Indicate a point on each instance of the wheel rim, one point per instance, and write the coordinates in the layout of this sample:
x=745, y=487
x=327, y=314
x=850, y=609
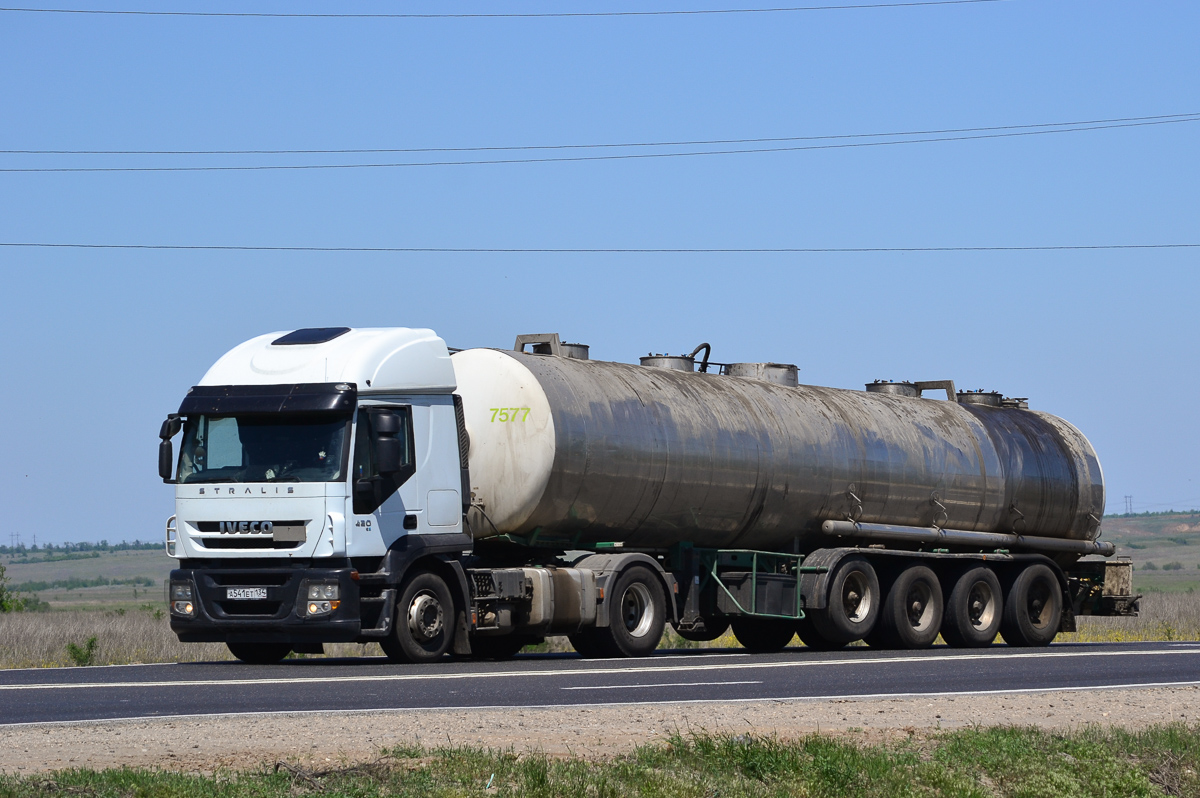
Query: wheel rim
x=856, y=597
x=919, y=603
x=1040, y=603
x=981, y=605
x=637, y=610
x=425, y=619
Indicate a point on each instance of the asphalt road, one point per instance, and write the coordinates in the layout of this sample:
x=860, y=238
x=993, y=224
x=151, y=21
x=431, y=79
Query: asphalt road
x=314, y=685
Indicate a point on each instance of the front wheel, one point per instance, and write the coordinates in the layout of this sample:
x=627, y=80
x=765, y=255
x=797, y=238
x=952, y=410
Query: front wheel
x=424, y=627
x=259, y=653
x=1033, y=609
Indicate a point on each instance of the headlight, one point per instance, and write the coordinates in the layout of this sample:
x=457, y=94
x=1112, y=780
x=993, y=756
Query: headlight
x=322, y=591
x=181, y=591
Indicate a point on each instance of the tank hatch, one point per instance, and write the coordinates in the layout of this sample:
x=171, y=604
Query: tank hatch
x=550, y=344
x=778, y=373
x=678, y=362
x=894, y=388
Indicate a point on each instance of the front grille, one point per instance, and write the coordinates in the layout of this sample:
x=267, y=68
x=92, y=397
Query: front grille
x=214, y=527
x=241, y=579
x=246, y=543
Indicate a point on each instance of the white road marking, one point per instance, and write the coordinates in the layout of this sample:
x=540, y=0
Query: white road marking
x=667, y=684
x=426, y=676
x=596, y=704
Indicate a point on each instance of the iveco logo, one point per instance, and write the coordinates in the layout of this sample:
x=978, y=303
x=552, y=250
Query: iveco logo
x=246, y=527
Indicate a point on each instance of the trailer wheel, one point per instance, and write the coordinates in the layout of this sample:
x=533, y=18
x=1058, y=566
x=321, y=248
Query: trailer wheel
x=424, y=627
x=912, y=612
x=974, y=610
x=763, y=635
x=1033, y=609
x=811, y=638
x=259, y=653
x=853, y=602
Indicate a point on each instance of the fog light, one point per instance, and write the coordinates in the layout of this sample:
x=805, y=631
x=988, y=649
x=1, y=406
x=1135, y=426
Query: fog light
x=322, y=607
x=183, y=608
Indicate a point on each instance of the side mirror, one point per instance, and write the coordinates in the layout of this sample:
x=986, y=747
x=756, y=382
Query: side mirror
x=387, y=454
x=166, y=460
x=386, y=424
x=170, y=427
x=166, y=456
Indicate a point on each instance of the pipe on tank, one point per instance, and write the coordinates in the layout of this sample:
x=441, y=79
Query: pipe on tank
x=957, y=537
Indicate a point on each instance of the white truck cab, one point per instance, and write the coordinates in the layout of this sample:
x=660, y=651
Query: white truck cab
x=302, y=454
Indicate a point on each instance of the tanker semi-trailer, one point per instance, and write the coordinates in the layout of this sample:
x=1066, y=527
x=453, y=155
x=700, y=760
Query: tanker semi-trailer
x=356, y=485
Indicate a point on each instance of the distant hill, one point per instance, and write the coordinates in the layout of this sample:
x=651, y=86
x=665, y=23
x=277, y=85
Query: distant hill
x=1164, y=547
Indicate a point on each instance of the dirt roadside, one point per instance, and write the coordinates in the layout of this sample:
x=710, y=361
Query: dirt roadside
x=314, y=739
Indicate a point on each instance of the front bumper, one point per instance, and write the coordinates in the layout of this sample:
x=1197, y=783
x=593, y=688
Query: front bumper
x=279, y=618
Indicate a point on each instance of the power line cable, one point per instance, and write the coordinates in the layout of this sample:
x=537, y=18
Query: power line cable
x=543, y=15
x=1188, y=117
x=582, y=158
x=611, y=250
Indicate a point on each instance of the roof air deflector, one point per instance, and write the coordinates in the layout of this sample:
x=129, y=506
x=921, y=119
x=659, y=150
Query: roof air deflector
x=310, y=335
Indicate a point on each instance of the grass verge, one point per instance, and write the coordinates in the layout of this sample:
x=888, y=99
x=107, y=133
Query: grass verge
x=996, y=761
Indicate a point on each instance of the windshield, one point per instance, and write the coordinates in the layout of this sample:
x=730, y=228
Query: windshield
x=256, y=448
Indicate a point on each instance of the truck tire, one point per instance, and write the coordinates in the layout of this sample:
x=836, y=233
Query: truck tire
x=713, y=628
x=423, y=630
x=911, y=616
x=974, y=610
x=763, y=635
x=637, y=615
x=853, y=602
x=587, y=645
x=259, y=653
x=1033, y=608
x=502, y=647
x=811, y=638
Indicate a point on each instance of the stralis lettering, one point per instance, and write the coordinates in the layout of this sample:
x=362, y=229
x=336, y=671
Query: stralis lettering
x=232, y=491
x=247, y=527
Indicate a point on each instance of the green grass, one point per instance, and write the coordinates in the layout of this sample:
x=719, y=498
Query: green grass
x=997, y=761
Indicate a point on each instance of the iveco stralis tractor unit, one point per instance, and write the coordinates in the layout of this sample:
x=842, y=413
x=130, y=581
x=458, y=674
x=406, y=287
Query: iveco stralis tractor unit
x=356, y=485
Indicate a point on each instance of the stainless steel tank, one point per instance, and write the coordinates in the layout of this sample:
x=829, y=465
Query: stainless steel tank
x=652, y=456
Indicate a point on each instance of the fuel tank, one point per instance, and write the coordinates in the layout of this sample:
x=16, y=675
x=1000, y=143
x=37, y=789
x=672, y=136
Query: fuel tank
x=595, y=451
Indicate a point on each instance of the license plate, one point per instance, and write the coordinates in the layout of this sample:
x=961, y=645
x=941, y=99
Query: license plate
x=245, y=592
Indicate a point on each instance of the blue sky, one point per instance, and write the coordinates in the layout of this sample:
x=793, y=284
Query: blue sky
x=100, y=344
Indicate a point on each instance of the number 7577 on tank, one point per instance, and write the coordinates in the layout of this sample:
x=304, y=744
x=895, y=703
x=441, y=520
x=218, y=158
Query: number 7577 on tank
x=356, y=485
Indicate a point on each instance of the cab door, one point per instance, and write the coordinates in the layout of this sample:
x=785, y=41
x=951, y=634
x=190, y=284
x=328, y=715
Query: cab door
x=384, y=496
